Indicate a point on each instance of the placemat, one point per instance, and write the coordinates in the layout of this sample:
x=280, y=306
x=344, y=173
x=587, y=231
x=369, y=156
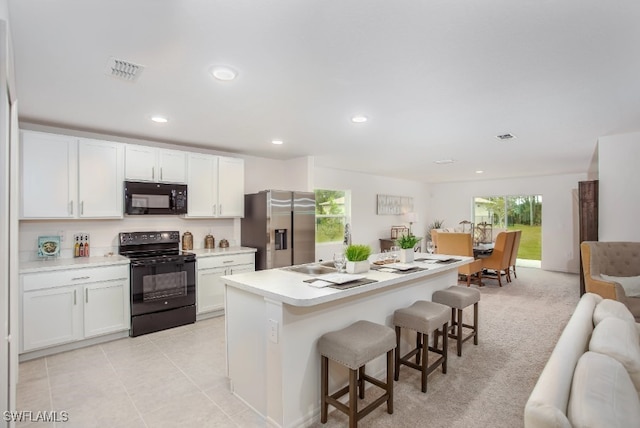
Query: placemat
x=412, y=270
x=441, y=261
x=346, y=285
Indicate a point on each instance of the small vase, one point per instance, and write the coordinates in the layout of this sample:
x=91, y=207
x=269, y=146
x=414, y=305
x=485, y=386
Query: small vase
x=406, y=255
x=358, y=267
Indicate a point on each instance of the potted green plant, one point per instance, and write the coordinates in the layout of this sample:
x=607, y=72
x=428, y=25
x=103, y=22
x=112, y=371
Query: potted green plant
x=406, y=244
x=357, y=256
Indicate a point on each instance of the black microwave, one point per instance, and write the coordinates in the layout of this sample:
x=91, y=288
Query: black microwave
x=142, y=198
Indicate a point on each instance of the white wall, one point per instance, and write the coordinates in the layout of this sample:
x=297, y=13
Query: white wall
x=619, y=178
x=366, y=226
x=263, y=174
x=452, y=202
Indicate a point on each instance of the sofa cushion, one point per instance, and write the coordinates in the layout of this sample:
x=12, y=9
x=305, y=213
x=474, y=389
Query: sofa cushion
x=631, y=284
x=602, y=394
x=618, y=339
x=612, y=308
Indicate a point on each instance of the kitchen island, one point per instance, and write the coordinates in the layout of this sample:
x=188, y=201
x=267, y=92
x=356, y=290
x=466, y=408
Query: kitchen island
x=274, y=320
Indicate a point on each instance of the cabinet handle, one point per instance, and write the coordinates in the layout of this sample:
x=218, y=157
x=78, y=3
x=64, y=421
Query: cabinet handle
x=153, y=172
x=220, y=209
x=80, y=277
x=160, y=173
x=70, y=207
x=81, y=207
x=74, y=297
x=86, y=295
x=227, y=261
x=231, y=271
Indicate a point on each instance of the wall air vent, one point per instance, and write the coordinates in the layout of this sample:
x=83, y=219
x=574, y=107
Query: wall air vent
x=123, y=70
x=505, y=136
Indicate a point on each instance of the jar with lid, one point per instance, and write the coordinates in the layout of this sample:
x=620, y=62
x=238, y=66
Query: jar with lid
x=187, y=241
x=209, y=242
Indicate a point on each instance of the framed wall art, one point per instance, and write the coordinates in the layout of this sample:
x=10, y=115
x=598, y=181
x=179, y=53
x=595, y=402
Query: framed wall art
x=394, y=205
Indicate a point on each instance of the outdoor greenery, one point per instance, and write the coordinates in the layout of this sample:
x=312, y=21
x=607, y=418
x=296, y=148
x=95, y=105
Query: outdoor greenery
x=357, y=252
x=530, y=241
x=512, y=210
x=330, y=215
x=407, y=241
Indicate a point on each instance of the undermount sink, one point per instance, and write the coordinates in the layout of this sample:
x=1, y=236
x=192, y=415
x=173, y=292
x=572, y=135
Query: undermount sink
x=312, y=269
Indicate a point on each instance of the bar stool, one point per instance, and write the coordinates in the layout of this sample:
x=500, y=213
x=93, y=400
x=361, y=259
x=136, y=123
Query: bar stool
x=458, y=298
x=353, y=347
x=423, y=317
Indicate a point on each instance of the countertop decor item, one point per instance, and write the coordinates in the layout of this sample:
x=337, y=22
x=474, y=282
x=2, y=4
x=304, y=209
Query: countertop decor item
x=406, y=243
x=224, y=243
x=209, y=242
x=48, y=246
x=357, y=258
x=187, y=241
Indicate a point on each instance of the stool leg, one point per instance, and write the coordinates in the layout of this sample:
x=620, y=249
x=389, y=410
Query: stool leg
x=397, y=353
x=390, y=381
x=453, y=321
x=425, y=360
x=353, y=398
x=324, y=388
x=445, y=327
x=459, y=338
x=418, y=346
x=361, y=381
x=475, y=323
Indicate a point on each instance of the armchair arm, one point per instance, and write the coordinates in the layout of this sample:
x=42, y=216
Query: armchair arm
x=606, y=289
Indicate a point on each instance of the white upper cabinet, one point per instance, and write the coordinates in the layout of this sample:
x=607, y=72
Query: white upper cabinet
x=100, y=178
x=143, y=163
x=49, y=171
x=215, y=186
x=69, y=177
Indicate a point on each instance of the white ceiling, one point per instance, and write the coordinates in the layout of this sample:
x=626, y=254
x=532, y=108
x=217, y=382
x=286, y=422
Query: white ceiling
x=438, y=79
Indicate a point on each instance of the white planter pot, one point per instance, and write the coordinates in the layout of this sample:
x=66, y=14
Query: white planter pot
x=406, y=255
x=358, y=267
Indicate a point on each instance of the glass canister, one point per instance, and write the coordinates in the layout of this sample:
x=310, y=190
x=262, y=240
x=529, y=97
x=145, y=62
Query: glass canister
x=187, y=241
x=209, y=242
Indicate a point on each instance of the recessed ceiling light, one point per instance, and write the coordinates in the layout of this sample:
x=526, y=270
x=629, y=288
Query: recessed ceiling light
x=224, y=73
x=444, y=161
x=359, y=119
x=277, y=142
x=479, y=171
x=159, y=119
x=505, y=136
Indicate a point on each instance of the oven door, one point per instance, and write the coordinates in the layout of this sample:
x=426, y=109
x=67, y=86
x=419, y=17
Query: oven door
x=161, y=285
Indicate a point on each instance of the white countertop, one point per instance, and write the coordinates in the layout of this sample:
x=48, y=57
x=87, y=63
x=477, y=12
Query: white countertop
x=71, y=263
x=221, y=251
x=288, y=287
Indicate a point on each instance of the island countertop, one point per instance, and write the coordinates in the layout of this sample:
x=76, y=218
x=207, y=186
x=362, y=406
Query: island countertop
x=288, y=287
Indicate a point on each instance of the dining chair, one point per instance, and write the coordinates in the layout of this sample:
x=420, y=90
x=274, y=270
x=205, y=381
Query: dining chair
x=461, y=244
x=499, y=259
x=514, y=253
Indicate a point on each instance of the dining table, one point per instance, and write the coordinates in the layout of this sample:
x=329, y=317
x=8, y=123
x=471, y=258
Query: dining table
x=481, y=250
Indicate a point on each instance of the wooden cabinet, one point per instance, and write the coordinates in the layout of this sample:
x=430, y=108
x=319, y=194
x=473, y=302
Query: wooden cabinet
x=216, y=186
x=68, y=177
x=69, y=305
x=210, y=287
x=144, y=163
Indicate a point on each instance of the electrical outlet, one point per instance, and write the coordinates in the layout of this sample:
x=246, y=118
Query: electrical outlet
x=272, y=330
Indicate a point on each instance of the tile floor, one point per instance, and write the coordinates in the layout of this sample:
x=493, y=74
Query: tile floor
x=173, y=378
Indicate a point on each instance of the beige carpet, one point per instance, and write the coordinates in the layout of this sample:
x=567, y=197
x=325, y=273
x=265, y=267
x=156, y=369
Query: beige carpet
x=489, y=385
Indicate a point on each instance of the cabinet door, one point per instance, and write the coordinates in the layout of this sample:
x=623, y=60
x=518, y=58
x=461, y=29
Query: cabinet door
x=106, y=307
x=50, y=317
x=100, y=178
x=172, y=165
x=140, y=163
x=230, y=187
x=210, y=290
x=201, y=173
x=48, y=169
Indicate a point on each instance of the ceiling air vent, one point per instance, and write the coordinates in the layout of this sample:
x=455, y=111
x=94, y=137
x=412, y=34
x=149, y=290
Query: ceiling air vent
x=123, y=70
x=505, y=136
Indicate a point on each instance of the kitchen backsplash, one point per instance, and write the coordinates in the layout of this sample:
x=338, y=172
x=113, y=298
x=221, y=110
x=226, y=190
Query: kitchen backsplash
x=104, y=233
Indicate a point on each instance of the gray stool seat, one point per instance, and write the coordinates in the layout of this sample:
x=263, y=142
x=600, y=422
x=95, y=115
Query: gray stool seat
x=353, y=347
x=356, y=345
x=458, y=298
x=424, y=318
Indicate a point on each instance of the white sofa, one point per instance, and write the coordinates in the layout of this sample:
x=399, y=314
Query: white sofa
x=592, y=378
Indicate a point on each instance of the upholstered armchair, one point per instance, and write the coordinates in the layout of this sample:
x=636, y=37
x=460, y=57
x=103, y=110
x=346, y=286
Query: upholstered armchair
x=501, y=255
x=461, y=244
x=612, y=270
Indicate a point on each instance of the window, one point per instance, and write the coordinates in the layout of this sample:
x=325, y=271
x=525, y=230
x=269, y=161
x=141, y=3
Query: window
x=523, y=212
x=332, y=213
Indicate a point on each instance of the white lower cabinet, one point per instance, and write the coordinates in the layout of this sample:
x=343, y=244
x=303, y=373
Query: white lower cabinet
x=210, y=287
x=70, y=305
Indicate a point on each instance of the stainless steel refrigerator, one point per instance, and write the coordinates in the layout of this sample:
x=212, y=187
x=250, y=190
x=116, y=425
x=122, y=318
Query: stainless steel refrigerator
x=282, y=226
